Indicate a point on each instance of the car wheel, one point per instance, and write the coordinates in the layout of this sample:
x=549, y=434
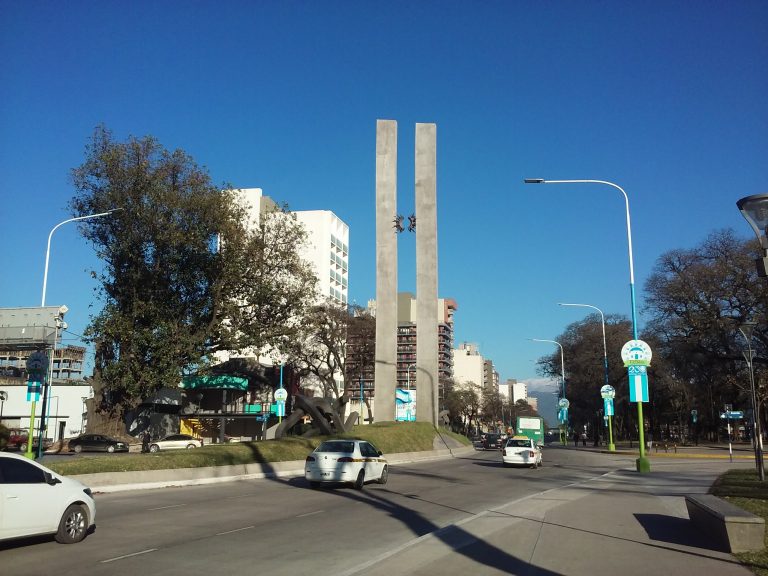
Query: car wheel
x=384, y=476
x=78, y=448
x=190, y=446
x=154, y=448
x=23, y=447
x=110, y=448
x=314, y=484
x=360, y=482
x=73, y=525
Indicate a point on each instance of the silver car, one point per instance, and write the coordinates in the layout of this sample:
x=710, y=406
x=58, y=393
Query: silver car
x=175, y=442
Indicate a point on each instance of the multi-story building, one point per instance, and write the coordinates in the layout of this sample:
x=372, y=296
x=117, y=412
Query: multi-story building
x=468, y=366
x=514, y=390
x=327, y=250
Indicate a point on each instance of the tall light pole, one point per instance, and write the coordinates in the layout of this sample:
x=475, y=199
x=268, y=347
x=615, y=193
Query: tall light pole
x=563, y=436
x=408, y=376
x=746, y=331
x=611, y=445
x=643, y=464
x=47, y=387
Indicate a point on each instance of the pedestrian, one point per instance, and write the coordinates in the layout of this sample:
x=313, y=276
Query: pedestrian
x=584, y=439
x=145, y=441
x=576, y=439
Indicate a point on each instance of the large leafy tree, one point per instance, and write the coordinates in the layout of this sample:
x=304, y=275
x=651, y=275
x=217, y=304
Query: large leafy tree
x=697, y=299
x=172, y=292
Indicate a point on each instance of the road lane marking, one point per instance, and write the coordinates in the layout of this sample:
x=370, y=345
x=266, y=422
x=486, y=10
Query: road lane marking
x=166, y=507
x=235, y=530
x=310, y=513
x=129, y=555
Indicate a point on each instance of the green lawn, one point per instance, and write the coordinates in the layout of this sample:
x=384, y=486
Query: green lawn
x=389, y=437
x=743, y=488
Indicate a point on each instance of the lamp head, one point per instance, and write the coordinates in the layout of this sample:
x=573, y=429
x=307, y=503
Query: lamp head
x=534, y=181
x=755, y=211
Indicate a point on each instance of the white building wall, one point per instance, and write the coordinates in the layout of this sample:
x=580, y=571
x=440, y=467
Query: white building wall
x=467, y=367
x=328, y=251
x=66, y=403
x=519, y=391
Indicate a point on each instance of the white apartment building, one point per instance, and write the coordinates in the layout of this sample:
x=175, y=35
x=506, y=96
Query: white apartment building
x=468, y=365
x=327, y=250
x=514, y=390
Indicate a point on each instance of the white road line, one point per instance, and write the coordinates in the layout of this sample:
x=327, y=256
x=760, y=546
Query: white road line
x=129, y=555
x=310, y=513
x=166, y=507
x=235, y=530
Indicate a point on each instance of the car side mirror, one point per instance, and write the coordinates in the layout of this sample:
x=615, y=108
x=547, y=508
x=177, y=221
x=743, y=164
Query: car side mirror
x=50, y=479
x=380, y=454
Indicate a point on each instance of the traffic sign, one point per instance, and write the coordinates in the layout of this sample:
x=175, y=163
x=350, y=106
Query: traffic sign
x=608, y=391
x=37, y=366
x=563, y=403
x=732, y=415
x=608, y=406
x=636, y=353
x=33, y=391
x=694, y=415
x=281, y=395
x=638, y=383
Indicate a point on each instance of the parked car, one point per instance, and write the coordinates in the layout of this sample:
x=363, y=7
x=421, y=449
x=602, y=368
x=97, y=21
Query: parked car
x=175, y=442
x=35, y=500
x=350, y=461
x=491, y=441
x=96, y=443
x=521, y=450
x=18, y=440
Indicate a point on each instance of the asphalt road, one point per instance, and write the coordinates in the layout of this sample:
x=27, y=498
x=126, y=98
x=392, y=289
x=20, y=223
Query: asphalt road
x=281, y=526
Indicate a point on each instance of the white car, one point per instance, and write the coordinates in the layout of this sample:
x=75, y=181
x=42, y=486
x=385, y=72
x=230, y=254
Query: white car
x=175, y=442
x=35, y=501
x=521, y=450
x=350, y=461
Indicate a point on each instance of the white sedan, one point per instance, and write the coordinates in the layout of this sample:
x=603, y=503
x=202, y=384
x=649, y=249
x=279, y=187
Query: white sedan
x=521, y=450
x=35, y=501
x=349, y=461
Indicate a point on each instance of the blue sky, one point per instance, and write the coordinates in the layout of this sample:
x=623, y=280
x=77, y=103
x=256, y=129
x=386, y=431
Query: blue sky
x=667, y=99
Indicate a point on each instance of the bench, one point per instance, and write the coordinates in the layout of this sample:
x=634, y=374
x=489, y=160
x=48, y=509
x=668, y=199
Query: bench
x=735, y=529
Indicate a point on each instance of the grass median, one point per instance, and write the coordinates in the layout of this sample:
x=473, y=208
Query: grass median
x=389, y=437
x=744, y=489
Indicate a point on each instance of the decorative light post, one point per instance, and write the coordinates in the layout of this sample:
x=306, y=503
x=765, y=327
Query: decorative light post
x=643, y=464
x=564, y=433
x=47, y=387
x=611, y=445
x=755, y=211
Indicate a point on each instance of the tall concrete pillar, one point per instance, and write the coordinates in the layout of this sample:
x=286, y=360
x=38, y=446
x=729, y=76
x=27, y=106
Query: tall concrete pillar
x=386, y=271
x=426, y=274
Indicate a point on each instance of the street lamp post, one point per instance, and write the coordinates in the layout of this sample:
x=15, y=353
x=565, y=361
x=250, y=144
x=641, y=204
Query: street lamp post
x=611, y=445
x=47, y=387
x=643, y=464
x=757, y=435
x=564, y=434
x=408, y=376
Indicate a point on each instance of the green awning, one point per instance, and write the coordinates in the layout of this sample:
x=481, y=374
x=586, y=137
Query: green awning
x=221, y=381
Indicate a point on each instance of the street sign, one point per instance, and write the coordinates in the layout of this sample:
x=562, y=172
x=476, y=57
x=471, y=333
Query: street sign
x=33, y=391
x=608, y=406
x=608, y=391
x=638, y=383
x=563, y=403
x=37, y=366
x=732, y=415
x=562, y=415
x=281, y=395
x=636, y=353
x=694, y=415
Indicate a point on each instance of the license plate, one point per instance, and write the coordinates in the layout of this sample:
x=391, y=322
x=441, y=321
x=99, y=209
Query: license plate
x=325, y=473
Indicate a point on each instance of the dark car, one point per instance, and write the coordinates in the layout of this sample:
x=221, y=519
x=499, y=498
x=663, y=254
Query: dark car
x=492, y=442
x=96, y=443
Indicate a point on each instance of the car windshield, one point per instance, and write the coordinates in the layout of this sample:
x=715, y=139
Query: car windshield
x=343, y=447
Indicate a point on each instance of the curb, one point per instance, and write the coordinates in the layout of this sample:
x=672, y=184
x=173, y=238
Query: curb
x=107, y=482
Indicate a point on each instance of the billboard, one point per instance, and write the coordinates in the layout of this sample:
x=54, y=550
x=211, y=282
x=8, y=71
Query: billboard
x=405, y=405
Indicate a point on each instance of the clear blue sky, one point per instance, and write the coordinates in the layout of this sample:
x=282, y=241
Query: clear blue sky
x=667, y=99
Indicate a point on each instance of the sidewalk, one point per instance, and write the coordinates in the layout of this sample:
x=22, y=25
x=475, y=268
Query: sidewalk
x=622, y=523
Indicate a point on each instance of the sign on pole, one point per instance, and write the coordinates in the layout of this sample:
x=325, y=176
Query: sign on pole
x=608, y=406
x=638, y=384
x=636, y=353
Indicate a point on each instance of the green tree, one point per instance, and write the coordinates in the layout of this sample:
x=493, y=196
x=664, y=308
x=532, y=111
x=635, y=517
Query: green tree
x=463, y=405
x=172, y=292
